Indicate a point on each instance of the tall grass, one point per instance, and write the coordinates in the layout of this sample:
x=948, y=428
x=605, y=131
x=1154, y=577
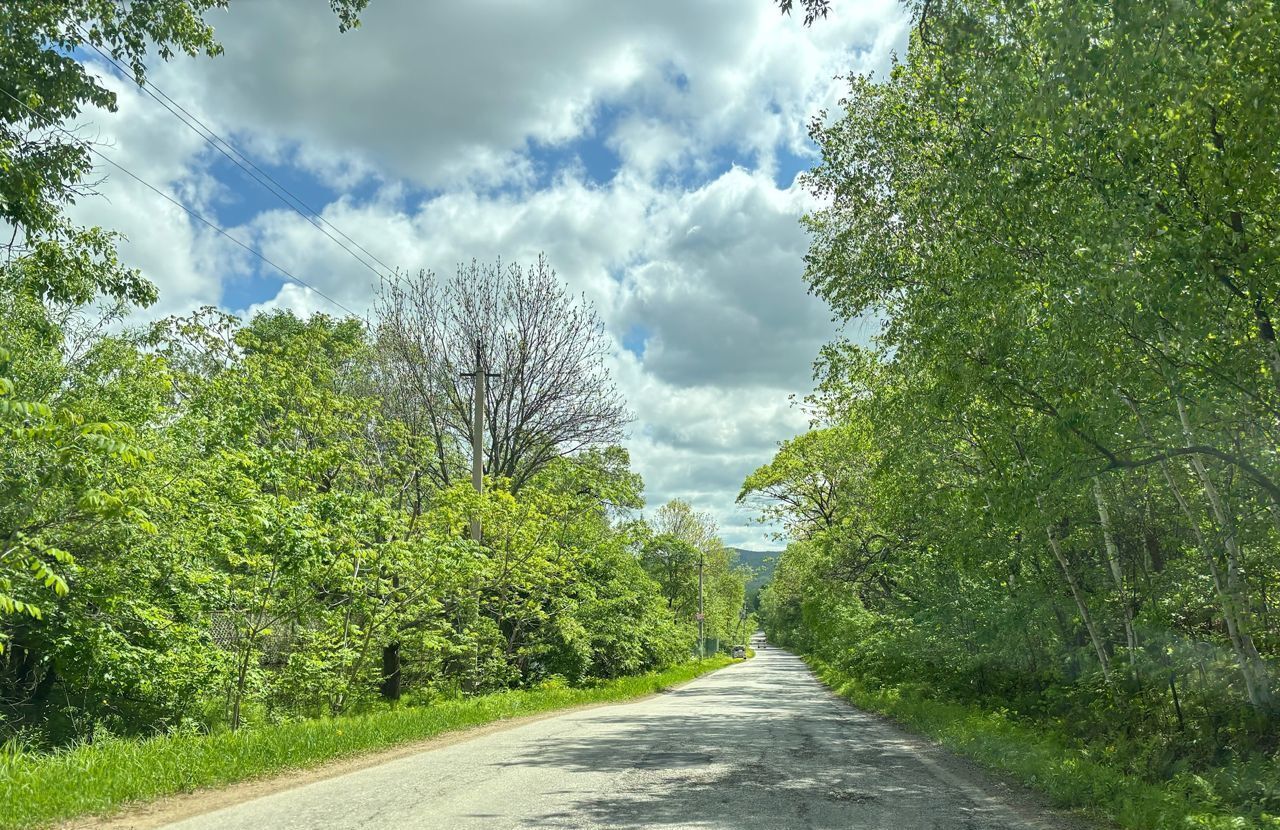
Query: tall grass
x=39, y=789
x=1071, y=777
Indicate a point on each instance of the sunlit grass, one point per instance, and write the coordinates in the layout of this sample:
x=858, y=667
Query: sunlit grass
x=37, y=790
x=1070, y=776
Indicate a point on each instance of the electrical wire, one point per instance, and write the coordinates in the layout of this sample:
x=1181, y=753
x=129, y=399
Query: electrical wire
x=191, y=211
x=247, y=165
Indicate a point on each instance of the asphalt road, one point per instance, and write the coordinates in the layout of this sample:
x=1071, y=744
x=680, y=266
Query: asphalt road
x=759, y=745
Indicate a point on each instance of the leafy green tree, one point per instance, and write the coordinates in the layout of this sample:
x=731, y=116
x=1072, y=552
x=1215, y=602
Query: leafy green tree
x=72, y=446
x=805, y=487
x=684, y=545
x=673, y=564
x=64, y=463
x=1060, y=493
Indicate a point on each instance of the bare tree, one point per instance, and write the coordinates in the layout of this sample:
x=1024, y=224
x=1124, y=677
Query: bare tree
x=553, y=395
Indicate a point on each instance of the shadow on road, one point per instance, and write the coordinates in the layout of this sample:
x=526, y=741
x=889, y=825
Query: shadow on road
x=762, y=746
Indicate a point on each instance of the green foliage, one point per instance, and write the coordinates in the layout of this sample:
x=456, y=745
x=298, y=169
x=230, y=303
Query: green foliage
x=682, y=545
x=1073, y=777
x=673, y=563
x=73, y=404
x=805, y=488
x=1048, y=487
x=65, y=455
x=228, y=529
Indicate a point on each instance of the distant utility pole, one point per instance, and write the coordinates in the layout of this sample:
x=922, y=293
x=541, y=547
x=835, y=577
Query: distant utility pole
x=702, y=640
x=481, y=377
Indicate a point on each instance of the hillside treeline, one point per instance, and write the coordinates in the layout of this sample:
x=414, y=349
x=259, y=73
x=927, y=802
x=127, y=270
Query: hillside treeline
x=1050, y=485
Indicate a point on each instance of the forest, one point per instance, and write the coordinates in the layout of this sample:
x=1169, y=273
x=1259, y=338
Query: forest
x=1048, y=488
x=210, y=523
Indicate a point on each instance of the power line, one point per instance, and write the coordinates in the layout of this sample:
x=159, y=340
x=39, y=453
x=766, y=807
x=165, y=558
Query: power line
x=262, y=177
x=191, y=211
x=290, y=199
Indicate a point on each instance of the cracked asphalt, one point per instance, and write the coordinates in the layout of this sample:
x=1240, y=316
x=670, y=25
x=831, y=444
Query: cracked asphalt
x=761, y=744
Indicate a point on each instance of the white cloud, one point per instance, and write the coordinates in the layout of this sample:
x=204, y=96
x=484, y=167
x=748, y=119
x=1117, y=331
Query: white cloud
x=719, y=287
x=450, y=94
x=187, y=259
x=450, y=109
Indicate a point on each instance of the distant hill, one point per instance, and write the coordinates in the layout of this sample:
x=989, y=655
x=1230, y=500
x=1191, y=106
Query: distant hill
x=762, y=562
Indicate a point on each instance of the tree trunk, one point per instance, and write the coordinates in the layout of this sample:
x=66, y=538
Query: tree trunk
x=1081, y=605
x=1076, y=593
x=1257, y=683
x=391, y=672
x=1241, y=642
x=1117, y=573
x=242, y=675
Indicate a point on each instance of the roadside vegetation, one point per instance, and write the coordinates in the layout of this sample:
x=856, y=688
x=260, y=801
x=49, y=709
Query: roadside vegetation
x=1038, y=516
x=96, y=779
x=256, y=535
x=1047, y=758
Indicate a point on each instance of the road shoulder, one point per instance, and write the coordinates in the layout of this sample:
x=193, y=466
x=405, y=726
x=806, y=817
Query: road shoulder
x=983, y=785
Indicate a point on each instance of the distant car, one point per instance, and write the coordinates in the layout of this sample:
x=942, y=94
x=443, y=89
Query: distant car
x=739, y=652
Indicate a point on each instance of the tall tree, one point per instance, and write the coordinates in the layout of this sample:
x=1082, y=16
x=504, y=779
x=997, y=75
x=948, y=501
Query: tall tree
x=552, y=395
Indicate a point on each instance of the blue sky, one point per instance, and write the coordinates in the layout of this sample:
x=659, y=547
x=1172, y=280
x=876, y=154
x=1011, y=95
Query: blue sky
x=242, y=196
x=649, y=150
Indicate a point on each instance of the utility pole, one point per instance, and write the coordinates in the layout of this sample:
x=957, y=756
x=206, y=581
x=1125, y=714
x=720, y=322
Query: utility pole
x=702, y=640
x=481, y=377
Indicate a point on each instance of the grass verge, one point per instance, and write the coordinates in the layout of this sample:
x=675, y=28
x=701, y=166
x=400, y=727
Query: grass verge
x=1070, y=776
x=38, y=790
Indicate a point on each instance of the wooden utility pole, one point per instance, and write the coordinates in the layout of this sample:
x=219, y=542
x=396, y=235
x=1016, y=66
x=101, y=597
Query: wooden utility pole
x=702, y=618
x=481, y=377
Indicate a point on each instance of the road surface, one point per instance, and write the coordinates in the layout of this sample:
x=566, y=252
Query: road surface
x=761, y=744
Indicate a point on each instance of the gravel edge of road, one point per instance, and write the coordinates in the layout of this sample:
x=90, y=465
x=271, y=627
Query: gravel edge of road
x=150, y=815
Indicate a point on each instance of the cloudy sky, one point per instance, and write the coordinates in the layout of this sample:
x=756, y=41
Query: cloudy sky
x=649, y=149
